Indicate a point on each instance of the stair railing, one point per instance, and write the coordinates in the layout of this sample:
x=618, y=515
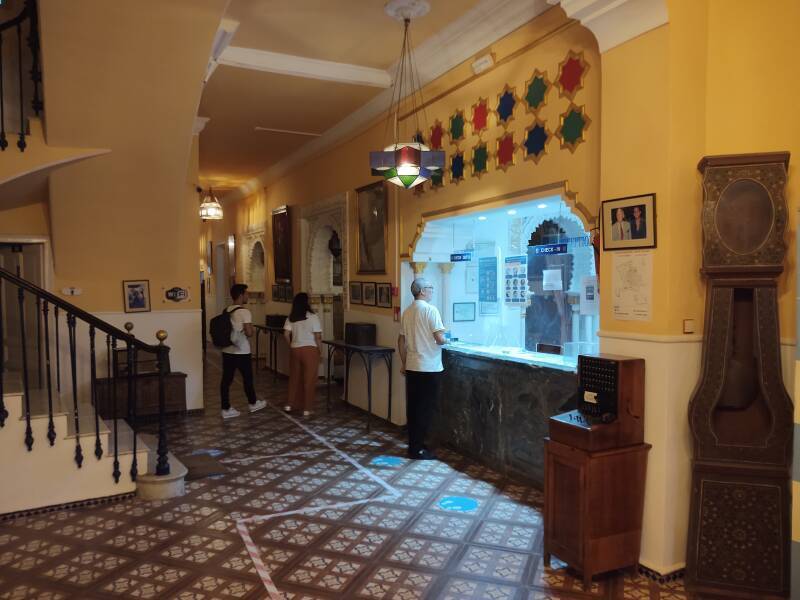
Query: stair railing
x=16, y=34
x=70, y=315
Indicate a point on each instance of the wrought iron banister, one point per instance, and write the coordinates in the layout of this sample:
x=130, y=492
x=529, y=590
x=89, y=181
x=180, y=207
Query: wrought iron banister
x=36, y=319
x=27, y=17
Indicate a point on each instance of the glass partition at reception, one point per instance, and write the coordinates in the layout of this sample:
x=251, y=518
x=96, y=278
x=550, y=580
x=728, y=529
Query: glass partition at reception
x=516, y=282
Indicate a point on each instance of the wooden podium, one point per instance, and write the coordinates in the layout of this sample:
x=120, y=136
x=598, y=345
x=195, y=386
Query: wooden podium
x=595, y=470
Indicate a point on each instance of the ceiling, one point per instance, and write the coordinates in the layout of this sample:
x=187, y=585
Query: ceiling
x=237, y=100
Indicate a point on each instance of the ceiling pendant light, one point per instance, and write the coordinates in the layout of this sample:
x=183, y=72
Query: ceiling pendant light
x=406, y=164
x=210, y=208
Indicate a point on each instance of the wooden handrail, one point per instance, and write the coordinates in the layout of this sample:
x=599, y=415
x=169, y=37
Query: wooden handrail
x=79, y=313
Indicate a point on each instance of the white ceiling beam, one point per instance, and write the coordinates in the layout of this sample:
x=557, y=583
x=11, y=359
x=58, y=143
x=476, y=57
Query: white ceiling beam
x=614, y=22
x=222, y=38
x=299, y=66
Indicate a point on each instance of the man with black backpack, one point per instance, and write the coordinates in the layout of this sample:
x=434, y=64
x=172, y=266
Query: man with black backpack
x=235, y=326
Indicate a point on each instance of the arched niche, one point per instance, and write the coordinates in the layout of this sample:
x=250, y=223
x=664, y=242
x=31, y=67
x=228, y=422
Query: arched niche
x=256, y=267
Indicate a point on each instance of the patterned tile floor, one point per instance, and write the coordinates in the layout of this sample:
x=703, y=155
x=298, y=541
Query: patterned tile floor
x=392, y=547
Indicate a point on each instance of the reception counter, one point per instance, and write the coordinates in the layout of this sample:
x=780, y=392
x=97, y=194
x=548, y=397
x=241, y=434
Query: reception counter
x=495, y=403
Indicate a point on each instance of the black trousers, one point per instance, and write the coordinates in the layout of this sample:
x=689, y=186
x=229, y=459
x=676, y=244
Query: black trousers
x=422, y=393
x=230, y=363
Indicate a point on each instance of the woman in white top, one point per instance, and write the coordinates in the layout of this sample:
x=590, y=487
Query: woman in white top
x=303, y=332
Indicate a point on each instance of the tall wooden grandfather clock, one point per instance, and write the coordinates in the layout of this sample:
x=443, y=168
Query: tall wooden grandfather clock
x=741, y=415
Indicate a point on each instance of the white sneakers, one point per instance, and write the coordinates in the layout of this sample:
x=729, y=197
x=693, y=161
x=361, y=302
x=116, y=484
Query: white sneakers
x=307, y=413
x=287, y=408
x=258, y=405
x=232, y=412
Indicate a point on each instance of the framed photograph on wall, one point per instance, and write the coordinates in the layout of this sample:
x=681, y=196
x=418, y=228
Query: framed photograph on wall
x=288, y=293
x=136, y=295
x=629, y=222
x=384, y=295
x=355, y=292
x=282, y=244
x=372, y=208
x=368, y=293
x=463, y=311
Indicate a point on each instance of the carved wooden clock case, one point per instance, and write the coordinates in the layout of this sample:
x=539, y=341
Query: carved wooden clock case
x=740, y=414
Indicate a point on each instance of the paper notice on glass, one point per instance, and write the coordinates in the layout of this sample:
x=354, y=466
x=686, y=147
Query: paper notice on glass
x=551, y=280
x=632, y=285
x=590, y=302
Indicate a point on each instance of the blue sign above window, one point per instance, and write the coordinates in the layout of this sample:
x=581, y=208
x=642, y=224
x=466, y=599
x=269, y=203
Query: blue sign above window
x=461, y=257
x=550, y=249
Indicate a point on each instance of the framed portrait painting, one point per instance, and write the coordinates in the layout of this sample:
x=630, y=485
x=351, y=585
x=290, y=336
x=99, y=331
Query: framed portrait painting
x=629, y=222
x=384, y=295
x=355, y=292
x=136, y=295
x=282, y=244
x=368, y=292
x=373, y=215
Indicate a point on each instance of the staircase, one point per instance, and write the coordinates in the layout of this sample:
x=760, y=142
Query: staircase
x=56, y=371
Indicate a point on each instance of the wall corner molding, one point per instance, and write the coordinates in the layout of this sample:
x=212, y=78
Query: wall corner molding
x=614, y=22
x=199, y=124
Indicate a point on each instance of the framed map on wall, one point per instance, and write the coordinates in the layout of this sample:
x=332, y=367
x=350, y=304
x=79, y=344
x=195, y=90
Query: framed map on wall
x=282, y=244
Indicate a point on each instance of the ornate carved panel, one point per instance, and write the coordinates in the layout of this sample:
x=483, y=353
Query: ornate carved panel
x=740, y=414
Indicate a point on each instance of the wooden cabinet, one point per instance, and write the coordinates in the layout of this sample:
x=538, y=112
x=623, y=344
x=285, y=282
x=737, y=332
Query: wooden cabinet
x=594, y=503
x=146, y=394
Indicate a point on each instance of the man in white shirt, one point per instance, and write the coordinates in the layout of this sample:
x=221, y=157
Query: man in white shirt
x=237, y=355
x=419, y=345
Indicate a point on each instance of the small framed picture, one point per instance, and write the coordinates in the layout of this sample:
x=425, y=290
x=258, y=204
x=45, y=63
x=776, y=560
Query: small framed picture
x=463, y=311
x=385, y=295
x=288, y=293
x=136, y=295
x=629, y=222
x=368, y=293
x=355, y=292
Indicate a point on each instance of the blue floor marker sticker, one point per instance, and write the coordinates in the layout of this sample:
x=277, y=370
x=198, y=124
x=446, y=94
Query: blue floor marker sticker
x=386, y=461
x=458, y=503
x=213, y=452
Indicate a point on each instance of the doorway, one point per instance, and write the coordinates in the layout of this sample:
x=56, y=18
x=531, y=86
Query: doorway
x=23, y=324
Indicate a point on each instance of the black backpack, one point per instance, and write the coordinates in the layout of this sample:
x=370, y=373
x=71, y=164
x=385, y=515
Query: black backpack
x=221, y=328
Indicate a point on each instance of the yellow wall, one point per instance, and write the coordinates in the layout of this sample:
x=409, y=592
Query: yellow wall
x=688, y=89
x=541, y=44
x=125, y=76
x=28, y=219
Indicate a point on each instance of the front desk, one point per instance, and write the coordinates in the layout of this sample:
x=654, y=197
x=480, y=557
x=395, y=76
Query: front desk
x=495, y=403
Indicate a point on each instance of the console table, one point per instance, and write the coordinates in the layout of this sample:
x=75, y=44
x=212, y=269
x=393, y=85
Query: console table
x=368, y=354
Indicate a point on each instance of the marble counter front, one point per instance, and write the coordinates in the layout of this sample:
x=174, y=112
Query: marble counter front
x=495, y=408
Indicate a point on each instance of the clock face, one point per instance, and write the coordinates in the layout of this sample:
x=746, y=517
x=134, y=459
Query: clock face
x=744, y=216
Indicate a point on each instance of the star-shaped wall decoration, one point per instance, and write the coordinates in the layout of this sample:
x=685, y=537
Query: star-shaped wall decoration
x=505, y=151
x=480, y=160
x=536, y=138
x=536, y=89
x=457, y=126
x=419, y=138
x=437, y=178
x=457, y=167
x=437, y=133
x=480, y=115
x=505, y=105
x=572, y=129
x=571, y=73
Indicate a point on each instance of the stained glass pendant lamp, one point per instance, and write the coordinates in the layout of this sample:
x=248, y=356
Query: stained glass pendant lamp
x=406, y=164
x=210, y=208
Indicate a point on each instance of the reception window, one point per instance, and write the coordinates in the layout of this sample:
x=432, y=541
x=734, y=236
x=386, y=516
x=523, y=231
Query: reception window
x=518, y=282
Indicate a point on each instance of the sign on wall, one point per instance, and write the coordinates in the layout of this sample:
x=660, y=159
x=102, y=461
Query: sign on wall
x=176, y=294
x=516, y=279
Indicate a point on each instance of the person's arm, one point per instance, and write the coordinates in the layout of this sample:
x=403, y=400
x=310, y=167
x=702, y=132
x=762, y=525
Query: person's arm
x=437, y=327
x=318, y=340
x=287, y=332
x=401, y=349
x=248, y=329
